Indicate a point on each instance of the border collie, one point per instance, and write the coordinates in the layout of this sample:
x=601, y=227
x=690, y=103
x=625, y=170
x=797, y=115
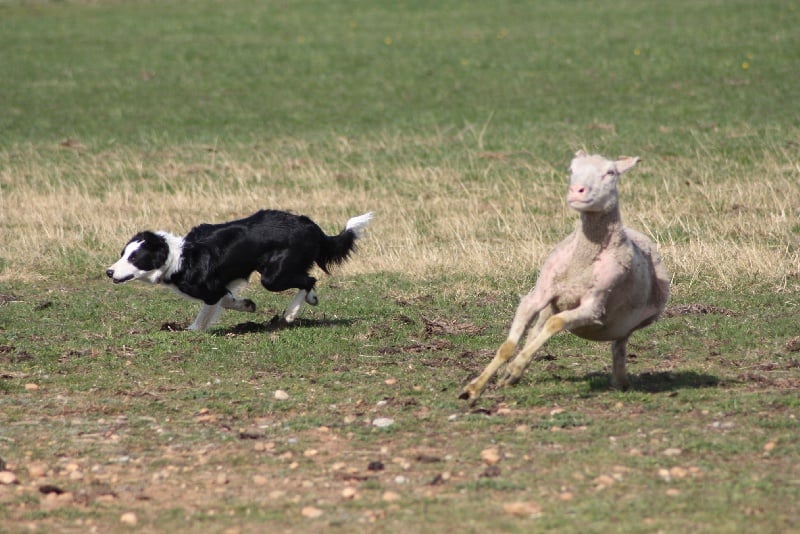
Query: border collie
x=213, y=261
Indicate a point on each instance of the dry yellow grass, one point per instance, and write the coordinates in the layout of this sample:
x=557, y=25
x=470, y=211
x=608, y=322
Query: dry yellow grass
x=68, y=213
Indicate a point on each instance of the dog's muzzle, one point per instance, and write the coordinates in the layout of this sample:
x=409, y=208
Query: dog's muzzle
x=110, y=274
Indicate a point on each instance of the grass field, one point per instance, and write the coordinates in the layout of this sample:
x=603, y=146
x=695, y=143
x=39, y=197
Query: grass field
x=454, y=122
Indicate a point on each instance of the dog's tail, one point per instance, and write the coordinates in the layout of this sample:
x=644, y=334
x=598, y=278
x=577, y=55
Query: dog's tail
x=337, y=248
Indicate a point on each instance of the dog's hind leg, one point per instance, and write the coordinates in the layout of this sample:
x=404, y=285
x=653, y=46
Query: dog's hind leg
x=282, y=282
x=229, y=302
x=232, y=302
x=294, y=306
x=312, y=298
x=209, y=313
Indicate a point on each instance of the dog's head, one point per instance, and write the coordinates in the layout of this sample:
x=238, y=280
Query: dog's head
x=145, y=257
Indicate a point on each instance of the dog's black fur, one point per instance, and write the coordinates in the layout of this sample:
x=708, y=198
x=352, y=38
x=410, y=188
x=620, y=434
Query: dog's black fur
x=280, y=246
x=212, y=259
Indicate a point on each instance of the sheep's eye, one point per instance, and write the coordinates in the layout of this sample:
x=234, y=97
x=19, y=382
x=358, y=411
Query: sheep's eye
x=611, y=172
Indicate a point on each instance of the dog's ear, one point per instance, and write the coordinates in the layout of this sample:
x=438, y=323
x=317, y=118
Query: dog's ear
x=153, y=252
x=160, y=253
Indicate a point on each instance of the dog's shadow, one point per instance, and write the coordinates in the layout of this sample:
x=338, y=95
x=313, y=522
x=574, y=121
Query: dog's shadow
x=653, y=382
x=276, y=324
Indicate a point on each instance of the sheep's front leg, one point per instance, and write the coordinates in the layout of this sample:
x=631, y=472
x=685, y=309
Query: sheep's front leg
x=566, y=320
x=531, y=304
x=518, y=365
x=473, y=390
x=209, y=313
x=619, y=377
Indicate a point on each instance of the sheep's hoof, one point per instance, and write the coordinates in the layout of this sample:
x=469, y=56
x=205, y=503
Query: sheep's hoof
x=469, y=394
x=620, y=384
x=508, y=379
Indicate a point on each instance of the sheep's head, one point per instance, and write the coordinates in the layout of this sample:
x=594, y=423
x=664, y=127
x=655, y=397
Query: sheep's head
x=593, y=181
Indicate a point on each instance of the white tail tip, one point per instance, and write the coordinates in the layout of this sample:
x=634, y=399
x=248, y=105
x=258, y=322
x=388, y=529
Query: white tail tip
x=358, y=224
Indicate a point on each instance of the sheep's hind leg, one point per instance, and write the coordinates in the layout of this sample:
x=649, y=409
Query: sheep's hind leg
x=619, y=377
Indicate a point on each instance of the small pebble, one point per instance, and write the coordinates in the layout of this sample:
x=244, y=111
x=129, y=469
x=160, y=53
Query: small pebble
x=128, y=518
x=390, y=496
x=382, y=422
x=490, y=456
x=7, y=478
x=311, y=512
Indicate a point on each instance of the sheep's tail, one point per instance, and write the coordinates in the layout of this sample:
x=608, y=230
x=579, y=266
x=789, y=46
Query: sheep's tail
x=336, y=249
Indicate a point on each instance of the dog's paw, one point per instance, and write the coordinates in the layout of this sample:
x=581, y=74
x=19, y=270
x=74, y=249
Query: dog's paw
x=311, y=298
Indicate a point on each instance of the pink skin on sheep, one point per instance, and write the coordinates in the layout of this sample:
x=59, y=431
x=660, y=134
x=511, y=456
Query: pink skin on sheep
x=601, y=283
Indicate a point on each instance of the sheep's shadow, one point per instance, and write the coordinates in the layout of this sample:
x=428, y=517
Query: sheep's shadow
x=652, y=382
x=276, y=324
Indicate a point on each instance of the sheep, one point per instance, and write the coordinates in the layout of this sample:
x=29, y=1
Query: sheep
x=601, y=283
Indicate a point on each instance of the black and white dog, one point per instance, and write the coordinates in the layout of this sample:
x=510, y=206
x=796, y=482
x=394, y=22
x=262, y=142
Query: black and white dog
x=214, y=260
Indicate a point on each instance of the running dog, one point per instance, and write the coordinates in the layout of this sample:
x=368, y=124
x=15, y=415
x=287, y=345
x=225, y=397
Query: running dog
x=213, y=261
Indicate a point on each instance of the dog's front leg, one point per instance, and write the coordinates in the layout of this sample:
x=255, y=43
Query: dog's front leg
x=209, y=313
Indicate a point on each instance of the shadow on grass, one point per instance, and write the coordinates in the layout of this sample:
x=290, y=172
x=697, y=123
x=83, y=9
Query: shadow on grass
x=277, y=323
x=273, y=325
x=658, y=382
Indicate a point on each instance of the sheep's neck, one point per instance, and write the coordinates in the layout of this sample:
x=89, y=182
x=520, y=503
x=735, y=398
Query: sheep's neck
x=599, y=229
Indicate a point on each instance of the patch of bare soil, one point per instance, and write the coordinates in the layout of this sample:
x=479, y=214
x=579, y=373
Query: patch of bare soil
x=439, y=326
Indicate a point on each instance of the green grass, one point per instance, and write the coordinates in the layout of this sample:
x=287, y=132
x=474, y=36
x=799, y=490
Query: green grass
x=539, y=75
x=121, y=398
x=183, y=111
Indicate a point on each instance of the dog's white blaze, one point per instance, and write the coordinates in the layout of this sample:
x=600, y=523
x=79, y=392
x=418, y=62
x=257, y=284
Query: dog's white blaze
x=359, y=223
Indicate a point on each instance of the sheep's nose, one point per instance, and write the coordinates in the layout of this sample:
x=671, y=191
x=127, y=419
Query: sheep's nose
x=110, y=273
x=579, y=189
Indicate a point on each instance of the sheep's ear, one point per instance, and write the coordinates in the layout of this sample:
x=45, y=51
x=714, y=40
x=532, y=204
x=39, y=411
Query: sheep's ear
x=581, y=154
x=626, y=164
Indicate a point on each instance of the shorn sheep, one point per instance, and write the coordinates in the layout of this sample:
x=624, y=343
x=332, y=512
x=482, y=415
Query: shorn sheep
x=601, y=283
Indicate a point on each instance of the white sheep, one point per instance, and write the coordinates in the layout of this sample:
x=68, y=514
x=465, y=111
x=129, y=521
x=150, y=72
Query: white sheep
x=601, y=283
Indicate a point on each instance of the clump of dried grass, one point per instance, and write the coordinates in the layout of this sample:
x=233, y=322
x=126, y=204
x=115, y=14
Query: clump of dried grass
x=716, y=224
